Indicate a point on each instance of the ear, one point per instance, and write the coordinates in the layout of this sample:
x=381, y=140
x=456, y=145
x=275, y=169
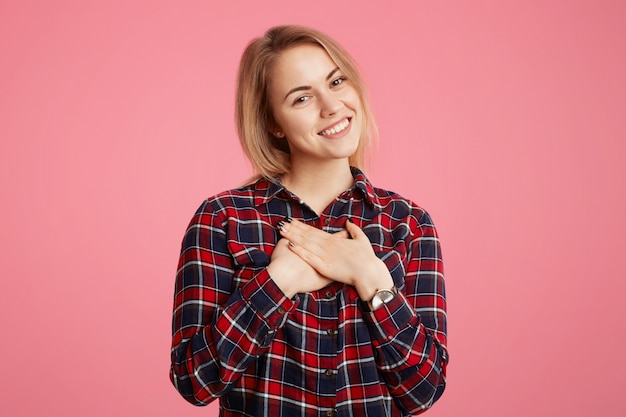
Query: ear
x=275, y=130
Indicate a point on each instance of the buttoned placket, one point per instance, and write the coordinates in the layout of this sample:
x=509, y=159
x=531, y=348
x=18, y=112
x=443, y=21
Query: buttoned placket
x=329, y=320
x=328, y=298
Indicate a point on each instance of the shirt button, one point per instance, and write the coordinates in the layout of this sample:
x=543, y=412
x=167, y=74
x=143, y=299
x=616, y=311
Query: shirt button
x=330, y=372
x=331, y=331
x=331, y=413
x=329, y=294
x=281, y=310
x=327, y=221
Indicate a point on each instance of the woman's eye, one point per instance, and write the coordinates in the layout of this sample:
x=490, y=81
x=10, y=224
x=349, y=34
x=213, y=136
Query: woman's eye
x=300, y=99
x=338, y=81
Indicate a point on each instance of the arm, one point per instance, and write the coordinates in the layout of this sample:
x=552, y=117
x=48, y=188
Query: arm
x=218, y=332
x=409, y=332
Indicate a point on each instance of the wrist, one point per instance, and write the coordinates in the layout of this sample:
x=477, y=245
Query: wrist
x=284, y=283
x=378, y=279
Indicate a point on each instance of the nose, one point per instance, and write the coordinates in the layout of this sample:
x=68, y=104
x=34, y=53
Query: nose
x=330, y=105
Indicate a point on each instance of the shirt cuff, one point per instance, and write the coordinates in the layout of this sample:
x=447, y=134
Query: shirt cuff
x=267, y=299
x=389, y=319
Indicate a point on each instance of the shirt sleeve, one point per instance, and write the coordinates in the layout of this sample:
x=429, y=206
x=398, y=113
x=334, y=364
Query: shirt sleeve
x=409, y=332
x=218, y=331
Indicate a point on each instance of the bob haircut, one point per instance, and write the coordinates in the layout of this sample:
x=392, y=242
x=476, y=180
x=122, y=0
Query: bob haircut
x=269, y=155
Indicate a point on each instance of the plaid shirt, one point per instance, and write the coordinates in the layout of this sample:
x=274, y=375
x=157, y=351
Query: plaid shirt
x=236, y=336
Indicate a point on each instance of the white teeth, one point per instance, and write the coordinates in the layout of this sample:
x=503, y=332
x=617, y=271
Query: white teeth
x=341, y=126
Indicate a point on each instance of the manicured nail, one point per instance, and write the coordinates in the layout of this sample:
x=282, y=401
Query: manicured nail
x=288, y=219
x=280, y=225
x=291, y=244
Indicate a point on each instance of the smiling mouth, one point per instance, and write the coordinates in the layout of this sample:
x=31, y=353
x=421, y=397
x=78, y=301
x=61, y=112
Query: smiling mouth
x=339, y=127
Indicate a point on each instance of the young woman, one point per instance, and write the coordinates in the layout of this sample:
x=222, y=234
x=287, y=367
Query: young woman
x=308, y=292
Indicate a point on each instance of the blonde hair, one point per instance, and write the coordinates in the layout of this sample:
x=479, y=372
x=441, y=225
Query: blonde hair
x=269, y=155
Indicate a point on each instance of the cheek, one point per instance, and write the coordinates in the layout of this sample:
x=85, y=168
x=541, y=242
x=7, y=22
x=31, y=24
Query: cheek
x=300, y=122
x=282, y=120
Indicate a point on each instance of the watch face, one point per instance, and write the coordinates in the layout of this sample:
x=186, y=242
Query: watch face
x=382, y=297
x=386, y=296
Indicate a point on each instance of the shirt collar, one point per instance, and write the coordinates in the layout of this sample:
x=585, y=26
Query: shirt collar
x=266, y=189
x=365, y=186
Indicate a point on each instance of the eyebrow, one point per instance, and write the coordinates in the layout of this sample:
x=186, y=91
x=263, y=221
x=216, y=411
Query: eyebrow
x=308, y=87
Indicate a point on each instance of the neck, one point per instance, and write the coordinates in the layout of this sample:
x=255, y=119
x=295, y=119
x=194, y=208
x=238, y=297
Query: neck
x=319, y=184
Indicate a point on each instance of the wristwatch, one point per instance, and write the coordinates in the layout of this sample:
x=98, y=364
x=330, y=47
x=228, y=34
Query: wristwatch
x=382, y=297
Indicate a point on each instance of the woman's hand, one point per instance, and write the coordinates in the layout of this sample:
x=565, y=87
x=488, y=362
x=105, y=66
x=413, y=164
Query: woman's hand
x=336, y=256
x=291, y=273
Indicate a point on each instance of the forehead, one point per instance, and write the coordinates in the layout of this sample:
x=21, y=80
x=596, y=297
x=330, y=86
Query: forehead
x=301, y=65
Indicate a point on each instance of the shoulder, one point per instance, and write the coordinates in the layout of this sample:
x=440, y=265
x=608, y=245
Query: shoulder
x=390, y=203
x=400, y=207
x=234, y=198
x=213, y=213
x=237, y=201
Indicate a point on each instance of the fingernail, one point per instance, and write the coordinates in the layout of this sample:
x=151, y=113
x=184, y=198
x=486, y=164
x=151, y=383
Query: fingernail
x=280, y=225
x=291, y=244
x=288, y=219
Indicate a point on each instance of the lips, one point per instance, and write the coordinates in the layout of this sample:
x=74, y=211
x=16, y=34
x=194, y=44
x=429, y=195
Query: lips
x=336, y=128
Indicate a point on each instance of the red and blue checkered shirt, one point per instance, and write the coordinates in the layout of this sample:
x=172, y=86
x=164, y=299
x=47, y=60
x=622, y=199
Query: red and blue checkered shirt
x=237, y=337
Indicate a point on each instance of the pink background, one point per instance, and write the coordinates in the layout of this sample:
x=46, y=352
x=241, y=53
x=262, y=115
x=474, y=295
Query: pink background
x=506, y=120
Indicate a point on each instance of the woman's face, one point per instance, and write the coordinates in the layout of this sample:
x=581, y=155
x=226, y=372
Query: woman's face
x=315, y=107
